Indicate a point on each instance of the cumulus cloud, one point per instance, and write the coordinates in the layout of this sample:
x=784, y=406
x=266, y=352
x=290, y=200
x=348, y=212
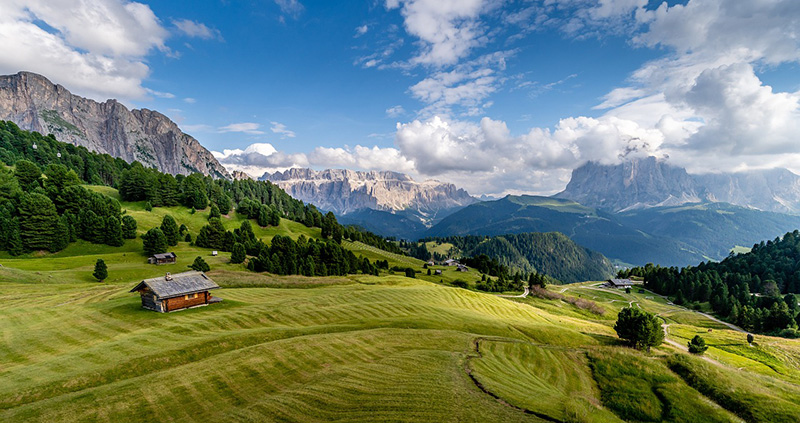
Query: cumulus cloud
x=447, y=30
x=244, y=127
x=95, y=48
x=279, y=128
x=361, y=30
x=196, y=29
x=259, y=158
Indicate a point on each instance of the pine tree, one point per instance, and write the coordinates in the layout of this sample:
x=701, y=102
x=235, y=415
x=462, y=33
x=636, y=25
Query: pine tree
x=38, y=221
x=200, y=265
x=128, y=227
x=27, y=173
x=148, y=206
x=263, y=216
x=214, y=212
x=113, y=232
x=154, y=242
x=100, y=270
x=14, y=241
x=238, y=254
x=170, y=229
x=61, y=238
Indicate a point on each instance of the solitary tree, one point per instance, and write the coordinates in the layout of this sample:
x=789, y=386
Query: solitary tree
x=410, y=273
x=697, y=345
x=640, y=328
x=750, y=338
x=200, y=265
x=100, y=270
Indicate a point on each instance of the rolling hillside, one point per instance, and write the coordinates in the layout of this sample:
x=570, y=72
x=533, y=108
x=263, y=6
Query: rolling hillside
x=670, y=236
x=357, y=348
x=552, y=254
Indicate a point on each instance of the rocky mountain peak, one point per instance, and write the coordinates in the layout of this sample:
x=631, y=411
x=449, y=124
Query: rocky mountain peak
x=651, y=182
x=345, y=191
x=34, y=103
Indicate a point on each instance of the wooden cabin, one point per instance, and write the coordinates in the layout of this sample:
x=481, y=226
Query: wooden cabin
x=618, y=283
x=176, y=292
x=163, y=258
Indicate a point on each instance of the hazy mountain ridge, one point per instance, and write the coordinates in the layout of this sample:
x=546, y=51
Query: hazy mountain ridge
x=36, y=104
x=676, y=235
x=346, y=192
x=650, y=182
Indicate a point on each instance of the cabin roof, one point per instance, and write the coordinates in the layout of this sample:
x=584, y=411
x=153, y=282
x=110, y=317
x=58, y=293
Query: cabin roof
x=179, y=284
x=164, y=255
x=619, y=282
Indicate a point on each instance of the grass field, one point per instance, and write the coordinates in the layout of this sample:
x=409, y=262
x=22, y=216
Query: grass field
x=356, y=348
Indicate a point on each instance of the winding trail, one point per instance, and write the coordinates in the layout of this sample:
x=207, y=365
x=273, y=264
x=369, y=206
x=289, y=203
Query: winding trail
x=523, y=295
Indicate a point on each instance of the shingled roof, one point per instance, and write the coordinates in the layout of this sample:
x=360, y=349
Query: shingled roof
x=178, y=284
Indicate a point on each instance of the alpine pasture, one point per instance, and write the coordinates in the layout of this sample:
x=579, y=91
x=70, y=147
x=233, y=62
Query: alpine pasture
x=356, y=348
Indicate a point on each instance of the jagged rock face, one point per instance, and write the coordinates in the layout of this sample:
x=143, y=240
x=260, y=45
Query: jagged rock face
x=238, y=174
x=346, y=191
x=649, y=182
x=36, y=104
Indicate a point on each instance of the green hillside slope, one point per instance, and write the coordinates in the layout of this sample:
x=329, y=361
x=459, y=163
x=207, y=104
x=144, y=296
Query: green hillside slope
x=590, y=228
x=552, y=254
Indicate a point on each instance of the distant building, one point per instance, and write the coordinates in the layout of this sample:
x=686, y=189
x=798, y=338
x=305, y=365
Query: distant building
x=438, y=272
x=451, y=262
x=430, y=263
x=618, y=283
x=176, y=292
x=164, y=258
x=462, y=268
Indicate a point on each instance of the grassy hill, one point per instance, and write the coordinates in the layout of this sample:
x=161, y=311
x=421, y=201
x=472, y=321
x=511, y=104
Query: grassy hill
x=356, y=348
x=670, y=236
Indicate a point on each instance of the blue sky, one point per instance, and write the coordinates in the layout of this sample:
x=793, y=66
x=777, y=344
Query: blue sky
x=495, y=96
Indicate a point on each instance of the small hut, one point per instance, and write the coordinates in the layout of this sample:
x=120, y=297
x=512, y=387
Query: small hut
x=176, y=292
x=163, y=258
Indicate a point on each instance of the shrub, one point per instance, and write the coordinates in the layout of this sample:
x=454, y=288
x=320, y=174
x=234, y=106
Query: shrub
x=200, y=265
x=697, y=345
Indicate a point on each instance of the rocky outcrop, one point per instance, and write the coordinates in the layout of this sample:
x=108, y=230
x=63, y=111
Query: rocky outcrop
x=650, y=182
x=347, y=191
x=36, y=104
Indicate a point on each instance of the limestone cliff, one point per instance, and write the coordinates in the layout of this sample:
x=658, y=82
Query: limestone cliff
x=648, y=182
x=348, y=191
x=36, y=104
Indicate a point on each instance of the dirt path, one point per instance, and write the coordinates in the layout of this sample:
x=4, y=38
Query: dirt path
x=523, y=295
x=681, y=347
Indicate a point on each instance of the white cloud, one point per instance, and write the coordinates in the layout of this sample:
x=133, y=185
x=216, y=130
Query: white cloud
x=244, y=127
x=95, y=48
x=293, y=8
x=190, y=100
x=279, y=128
x=448, y=30
x=196, y=29
x=395, y=111
x=159, y=94
x=259, y=158
x=361, y=30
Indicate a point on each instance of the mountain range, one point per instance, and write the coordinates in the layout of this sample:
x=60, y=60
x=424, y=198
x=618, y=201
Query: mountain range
x=376, y=200
x=650, y=182
x=36, y=104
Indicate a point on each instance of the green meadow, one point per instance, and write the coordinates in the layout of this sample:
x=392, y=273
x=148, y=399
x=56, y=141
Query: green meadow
x=356, y=348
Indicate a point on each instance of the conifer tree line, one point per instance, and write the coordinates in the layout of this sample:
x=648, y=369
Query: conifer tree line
x=754, y=290
x=260, y=200
x=46, y=209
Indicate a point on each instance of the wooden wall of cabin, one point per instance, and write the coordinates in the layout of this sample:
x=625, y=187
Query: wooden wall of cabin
x=178, y=303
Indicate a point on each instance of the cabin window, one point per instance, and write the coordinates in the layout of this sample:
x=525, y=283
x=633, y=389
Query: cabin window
x=191, y=296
